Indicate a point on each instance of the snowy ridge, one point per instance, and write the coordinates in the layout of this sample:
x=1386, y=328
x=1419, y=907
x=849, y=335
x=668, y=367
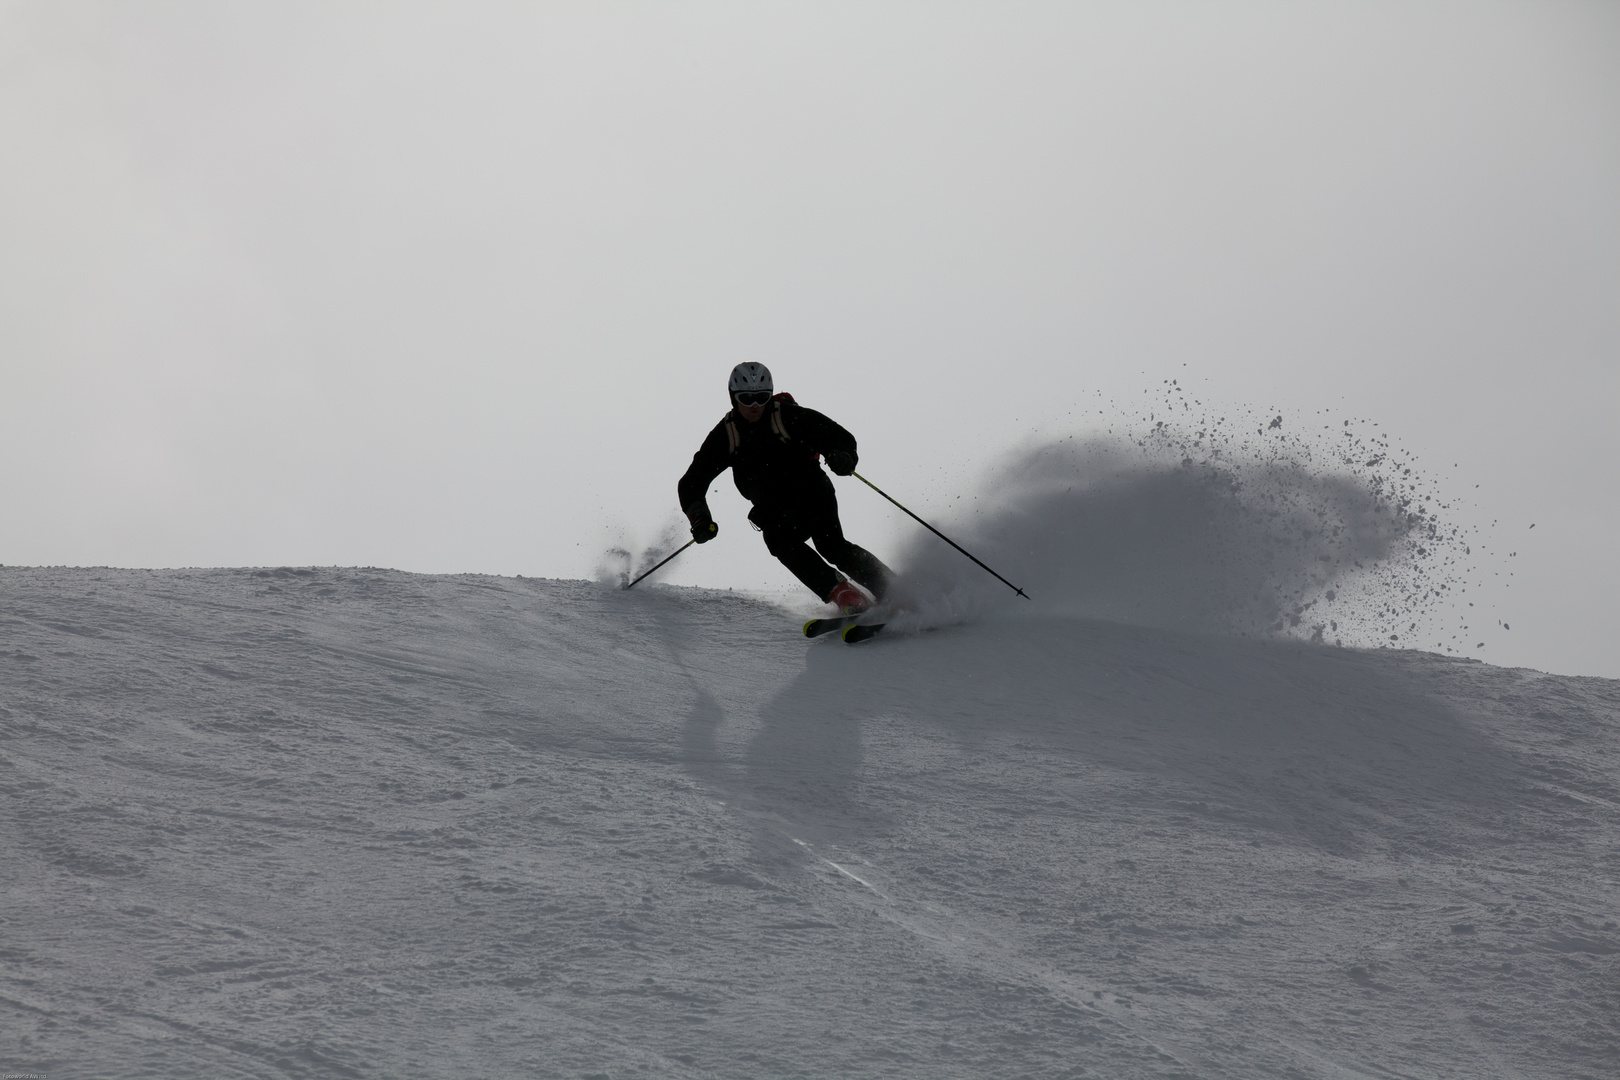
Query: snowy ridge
x=362, y=823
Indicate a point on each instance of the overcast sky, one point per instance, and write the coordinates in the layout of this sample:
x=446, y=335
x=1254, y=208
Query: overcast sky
x=456, y=287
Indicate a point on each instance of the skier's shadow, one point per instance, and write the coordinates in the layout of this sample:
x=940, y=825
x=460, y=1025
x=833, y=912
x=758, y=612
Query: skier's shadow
x=700, y=748
x=804, y=763
x=1321, y=746
x=796, y=774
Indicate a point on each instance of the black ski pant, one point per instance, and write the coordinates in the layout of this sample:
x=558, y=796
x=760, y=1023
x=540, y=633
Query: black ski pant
x=815, y=518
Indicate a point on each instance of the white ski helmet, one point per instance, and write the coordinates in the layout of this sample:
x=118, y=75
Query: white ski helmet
x=750, y=378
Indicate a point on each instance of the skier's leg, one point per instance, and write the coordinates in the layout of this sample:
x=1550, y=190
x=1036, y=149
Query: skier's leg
x=785, y=537
x=867, y=569
x=861, y=565
x=807, y=566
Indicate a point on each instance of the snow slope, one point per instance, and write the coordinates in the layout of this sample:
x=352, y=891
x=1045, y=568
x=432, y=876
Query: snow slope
x=361, y=823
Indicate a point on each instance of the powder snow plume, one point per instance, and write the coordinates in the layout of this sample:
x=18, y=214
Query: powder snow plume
x=1235, y=526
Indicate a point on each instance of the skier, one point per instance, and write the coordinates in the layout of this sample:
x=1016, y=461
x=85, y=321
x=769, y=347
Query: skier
x=772, y=447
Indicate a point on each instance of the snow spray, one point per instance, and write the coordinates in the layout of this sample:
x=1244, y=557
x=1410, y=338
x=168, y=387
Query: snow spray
x=1234, y=524
x=618, y=566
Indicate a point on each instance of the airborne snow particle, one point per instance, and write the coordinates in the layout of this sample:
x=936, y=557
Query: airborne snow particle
x=1205, y=527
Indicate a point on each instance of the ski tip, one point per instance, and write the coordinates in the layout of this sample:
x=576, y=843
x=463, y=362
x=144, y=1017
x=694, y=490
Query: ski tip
x=854, y=635
x=817, y=627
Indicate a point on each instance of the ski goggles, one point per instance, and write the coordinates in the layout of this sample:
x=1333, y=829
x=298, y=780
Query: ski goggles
x=751, y=398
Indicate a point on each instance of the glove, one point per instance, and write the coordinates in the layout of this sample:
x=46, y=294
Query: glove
x=841, y=462
x=703, y=526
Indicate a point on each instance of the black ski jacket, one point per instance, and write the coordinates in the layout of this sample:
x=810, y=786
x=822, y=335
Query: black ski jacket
x=775, y=463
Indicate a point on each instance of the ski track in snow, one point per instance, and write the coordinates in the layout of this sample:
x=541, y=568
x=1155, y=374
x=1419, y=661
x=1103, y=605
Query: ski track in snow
x=355, y=823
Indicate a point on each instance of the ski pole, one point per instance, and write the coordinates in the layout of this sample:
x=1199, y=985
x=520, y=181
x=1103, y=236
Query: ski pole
x=671, y=555
x=939, y=534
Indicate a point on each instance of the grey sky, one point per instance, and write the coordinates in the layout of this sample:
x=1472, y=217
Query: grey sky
x=456, y=287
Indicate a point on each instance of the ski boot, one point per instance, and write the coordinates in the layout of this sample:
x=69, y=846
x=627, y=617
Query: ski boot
x=849, y=599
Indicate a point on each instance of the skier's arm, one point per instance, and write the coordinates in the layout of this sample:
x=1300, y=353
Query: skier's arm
x=828, y=439
x=712, y=459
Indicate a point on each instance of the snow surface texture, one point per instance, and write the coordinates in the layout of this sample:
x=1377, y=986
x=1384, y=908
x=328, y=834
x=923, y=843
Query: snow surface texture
x=361, y=823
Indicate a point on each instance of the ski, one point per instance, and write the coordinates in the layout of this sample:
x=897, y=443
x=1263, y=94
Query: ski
x=859, y=632
x=817, y=627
